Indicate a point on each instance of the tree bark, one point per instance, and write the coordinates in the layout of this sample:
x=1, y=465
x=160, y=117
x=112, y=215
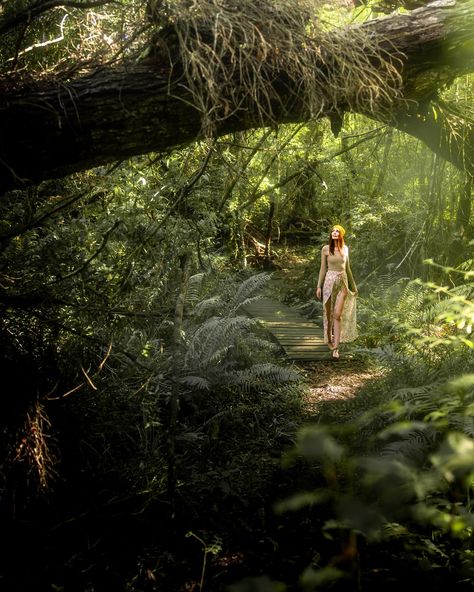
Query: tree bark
x=184, y=271
x=50, y=130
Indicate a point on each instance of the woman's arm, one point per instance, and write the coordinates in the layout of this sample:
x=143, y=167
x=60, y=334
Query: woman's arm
x=322, y=269
x=350, y=277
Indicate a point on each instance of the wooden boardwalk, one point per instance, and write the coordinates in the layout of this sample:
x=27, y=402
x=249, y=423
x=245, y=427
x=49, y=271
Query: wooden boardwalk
x=300, y=338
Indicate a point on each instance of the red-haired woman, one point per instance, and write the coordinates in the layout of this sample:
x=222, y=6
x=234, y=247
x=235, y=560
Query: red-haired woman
x=337, y=287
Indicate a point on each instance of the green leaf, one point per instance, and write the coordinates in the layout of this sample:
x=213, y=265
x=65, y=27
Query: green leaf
x=455, y=456
x=314, y=443
x=313, y=579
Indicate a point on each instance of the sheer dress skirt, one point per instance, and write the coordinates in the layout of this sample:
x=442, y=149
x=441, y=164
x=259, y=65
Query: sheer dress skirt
x=335, y=282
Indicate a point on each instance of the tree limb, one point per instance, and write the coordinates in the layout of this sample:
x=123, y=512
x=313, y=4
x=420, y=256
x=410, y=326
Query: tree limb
x=117, y=112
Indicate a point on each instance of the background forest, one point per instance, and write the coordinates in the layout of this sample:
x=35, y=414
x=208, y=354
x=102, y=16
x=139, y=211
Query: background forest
x=153, y=437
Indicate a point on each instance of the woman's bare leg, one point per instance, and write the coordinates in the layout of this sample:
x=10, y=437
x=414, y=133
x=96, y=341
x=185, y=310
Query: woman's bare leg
x=337, y=315
x=329, y=323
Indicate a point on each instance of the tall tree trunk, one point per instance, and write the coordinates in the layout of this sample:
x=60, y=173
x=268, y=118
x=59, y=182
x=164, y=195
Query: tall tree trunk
x=434, y=230
x=382, y=169
x=242, y=247
x=268, y=234
x=184, y=270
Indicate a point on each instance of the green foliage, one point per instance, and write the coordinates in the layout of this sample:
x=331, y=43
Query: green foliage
x=225, y=375
x=383, y=499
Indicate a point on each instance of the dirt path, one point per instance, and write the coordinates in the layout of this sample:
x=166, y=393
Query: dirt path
x=333, y=387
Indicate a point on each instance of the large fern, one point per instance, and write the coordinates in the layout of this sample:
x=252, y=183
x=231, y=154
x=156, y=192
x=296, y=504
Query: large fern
x=248, y=291
x=225, y=350
x=412, y=442
x=262, y=374
x=238, y=296
x=213, y=339
x=194, y=288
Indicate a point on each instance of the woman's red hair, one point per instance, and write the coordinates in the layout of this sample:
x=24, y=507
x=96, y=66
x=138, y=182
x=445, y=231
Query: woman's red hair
x=339, y=243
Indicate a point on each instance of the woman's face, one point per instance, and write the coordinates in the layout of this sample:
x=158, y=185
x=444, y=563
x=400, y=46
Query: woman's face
x=335, y=233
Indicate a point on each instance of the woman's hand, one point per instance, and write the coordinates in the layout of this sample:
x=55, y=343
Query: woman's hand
x=318, y=293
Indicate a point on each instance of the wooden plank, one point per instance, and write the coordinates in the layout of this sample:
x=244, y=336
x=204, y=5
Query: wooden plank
x=306, y=345
x=302, y=342
x=306, y=350
x=317, y=350
x=301, y=354
x=284, y=326
x=299, y=338
x=313, y=342
x=295, y=331
x=297, y=334
x=309, y=354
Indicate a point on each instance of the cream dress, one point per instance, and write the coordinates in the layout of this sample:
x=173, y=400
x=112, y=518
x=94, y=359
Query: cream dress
x=335, y=276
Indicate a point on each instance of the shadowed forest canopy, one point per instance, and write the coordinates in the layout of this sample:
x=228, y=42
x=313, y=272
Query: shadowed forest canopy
x=150, y=76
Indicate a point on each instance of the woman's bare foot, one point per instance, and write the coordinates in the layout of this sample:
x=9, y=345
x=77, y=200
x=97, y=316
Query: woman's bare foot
x=335, y=353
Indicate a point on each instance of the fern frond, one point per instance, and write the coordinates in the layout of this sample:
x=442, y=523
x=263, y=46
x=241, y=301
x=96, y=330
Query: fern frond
x=258, y=344
x=386, y=281
x=412, y=302
x=414, y=445
x=211, y=305
x=465, y=290
x=194, y=288
x=467, y=266
x=309, y=309
x=214, y=336
x=263, y=375
x=387, y=355
x=197, y=382
x=463, y=423
x=248, y=288
x=420, y=394
x=245, y=303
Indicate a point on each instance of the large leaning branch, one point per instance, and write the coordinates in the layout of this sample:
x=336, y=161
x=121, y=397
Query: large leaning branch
x=53, y=129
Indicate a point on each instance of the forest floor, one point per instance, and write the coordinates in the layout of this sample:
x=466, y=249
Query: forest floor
x=334, y=385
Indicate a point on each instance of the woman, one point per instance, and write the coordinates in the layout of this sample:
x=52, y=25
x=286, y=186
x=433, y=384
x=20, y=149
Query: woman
x=339, y=292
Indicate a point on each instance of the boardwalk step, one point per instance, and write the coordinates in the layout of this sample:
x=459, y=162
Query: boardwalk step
x=300, y=338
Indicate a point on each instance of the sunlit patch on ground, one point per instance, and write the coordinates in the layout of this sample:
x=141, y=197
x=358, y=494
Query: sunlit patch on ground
x=335, y=382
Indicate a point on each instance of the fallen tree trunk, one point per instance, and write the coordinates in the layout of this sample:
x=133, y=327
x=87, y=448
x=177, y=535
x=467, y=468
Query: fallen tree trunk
x=50, y=130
